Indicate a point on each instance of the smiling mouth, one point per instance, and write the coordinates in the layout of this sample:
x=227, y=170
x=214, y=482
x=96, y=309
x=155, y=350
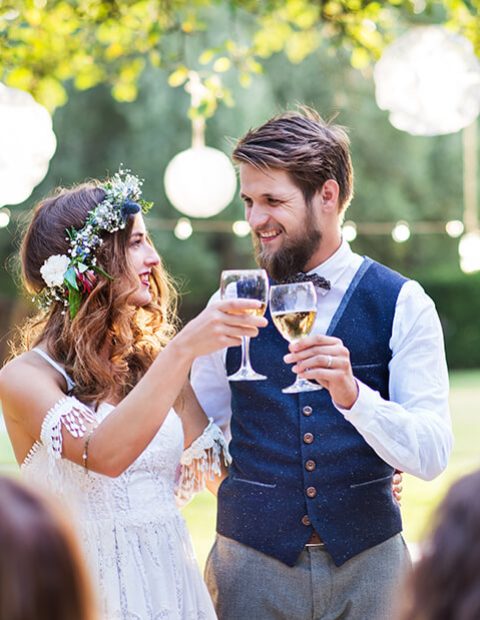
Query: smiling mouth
x=145, y=279
x=268, y=235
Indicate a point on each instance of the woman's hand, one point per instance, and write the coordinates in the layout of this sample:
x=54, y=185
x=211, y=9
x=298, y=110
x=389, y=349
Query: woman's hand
x=222, y=324
x=397, y=486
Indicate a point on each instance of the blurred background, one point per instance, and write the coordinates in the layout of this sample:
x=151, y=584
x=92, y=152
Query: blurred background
x=138, y=82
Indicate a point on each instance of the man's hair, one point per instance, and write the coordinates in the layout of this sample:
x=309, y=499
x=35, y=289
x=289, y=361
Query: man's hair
x=305, y=146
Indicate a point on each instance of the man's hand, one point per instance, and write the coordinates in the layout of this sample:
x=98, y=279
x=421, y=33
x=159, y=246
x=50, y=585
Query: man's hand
x=326, y=360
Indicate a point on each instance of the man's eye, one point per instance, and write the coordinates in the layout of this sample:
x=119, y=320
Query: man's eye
x=247, y=202
x=273, y=201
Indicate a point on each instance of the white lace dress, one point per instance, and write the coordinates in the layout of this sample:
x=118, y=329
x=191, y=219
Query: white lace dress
x=136, y=544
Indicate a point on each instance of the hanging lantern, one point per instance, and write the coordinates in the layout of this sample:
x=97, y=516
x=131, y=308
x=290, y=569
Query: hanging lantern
x=200, y=182
x=429, y=81
x=469, y=251
x=27, y=144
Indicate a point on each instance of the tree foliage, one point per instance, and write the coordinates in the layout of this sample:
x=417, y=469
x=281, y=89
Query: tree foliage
x=45, y=44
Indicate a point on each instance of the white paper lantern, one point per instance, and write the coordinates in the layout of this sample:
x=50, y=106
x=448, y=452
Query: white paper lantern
x=200, y=182
x=27, y=144
x=469, y=250
x=429, y=80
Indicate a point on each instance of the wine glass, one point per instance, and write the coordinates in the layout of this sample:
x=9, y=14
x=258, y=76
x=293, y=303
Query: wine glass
x=250, y=284
x=293, y=308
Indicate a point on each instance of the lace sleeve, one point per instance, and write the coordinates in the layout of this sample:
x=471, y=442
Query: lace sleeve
x=70, y=413
x=202, y=461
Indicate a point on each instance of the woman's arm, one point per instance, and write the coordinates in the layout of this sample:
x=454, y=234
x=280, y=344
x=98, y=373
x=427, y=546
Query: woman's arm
x=125, y=433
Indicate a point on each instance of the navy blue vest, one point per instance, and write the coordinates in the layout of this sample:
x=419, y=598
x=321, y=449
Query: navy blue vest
x=273, y=499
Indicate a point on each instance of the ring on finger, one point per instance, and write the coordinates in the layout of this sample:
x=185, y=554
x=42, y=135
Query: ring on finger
x=329, y=361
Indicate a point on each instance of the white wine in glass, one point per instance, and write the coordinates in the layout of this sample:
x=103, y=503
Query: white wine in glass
x=293, y=308
x=246, y=284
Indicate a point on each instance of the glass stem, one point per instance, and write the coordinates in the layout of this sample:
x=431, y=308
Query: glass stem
x=246, y=352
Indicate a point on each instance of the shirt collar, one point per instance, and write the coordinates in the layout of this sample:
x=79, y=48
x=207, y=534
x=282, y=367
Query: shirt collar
x=333, y=267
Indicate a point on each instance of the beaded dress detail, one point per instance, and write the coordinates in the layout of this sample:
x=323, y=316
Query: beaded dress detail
x=135, y=540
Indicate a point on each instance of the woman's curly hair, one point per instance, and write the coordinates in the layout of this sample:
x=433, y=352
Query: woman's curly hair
x=106, y=321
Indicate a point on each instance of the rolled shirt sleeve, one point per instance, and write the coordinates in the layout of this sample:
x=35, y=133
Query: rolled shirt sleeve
x=411, y=431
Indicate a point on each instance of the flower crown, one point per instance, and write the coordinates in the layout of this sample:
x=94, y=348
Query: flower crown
x=69, y=277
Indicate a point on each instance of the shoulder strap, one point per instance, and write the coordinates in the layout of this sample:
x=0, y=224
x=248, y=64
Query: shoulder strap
x=56, y=365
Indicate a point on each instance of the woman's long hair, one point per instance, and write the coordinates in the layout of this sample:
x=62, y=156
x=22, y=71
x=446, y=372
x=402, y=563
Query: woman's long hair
x=105, y=321
x=42, y=575
x=445, y=582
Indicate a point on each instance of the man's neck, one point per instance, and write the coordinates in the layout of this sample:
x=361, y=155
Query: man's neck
x=323, y=253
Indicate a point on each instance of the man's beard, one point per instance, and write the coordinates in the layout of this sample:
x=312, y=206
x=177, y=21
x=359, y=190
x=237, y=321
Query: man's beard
x=292, y=256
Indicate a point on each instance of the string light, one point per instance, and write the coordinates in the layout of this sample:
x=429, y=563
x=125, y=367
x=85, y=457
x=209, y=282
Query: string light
x=183, y=229
x=454, y=228
x=349, y=231
x=241, y=228
x=401, y=232
x=367, y=229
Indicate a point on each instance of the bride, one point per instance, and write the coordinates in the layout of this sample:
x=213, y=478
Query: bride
x=98, y=406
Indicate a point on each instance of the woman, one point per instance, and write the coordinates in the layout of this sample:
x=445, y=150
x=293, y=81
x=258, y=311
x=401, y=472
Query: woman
x=92, y=408
x=41, y=574
x=445, y=582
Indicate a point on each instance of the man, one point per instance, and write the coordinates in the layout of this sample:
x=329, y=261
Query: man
x=307, y=525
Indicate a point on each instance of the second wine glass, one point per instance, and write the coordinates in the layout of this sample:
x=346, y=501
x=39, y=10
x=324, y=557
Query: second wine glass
x=293, y=308
x=249, y=284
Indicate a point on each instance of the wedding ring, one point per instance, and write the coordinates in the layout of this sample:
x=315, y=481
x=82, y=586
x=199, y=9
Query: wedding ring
x=329, y=361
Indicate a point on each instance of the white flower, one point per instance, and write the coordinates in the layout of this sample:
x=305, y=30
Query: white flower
x=54, y=268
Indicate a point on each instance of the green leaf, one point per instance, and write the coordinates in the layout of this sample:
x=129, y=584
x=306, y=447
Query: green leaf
x=74, y=301
x=178, y=77
x=70, y=278
x=146, y=205
x=82, y=268
x=99, y=270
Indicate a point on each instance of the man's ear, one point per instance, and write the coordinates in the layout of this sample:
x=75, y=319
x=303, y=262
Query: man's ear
x=329, y=195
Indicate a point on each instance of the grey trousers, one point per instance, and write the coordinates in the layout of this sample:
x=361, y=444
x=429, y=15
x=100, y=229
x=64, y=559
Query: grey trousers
x=248, y=585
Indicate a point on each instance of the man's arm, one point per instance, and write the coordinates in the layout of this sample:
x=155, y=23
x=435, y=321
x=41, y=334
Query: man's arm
x=412, y=430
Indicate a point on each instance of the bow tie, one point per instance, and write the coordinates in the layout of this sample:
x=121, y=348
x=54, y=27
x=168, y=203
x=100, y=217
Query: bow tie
x=314, y=278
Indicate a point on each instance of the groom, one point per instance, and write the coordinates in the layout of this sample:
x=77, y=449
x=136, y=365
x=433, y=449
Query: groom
x=307, y=526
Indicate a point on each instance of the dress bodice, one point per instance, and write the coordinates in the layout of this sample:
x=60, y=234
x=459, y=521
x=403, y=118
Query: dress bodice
x=145, y=489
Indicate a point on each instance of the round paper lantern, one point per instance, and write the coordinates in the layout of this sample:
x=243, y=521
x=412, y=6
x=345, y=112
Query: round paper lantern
x=469, y=250
x=200, y=182
x=27, y=144
x=429, y=80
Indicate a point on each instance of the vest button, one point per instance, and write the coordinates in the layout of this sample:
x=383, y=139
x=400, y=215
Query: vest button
x=308, y=438
x=310, y=465
x=311, y=492
x=306, y=520
x=307, y=410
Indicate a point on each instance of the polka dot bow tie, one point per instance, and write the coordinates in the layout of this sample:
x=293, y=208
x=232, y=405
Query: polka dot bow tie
x=314, y=278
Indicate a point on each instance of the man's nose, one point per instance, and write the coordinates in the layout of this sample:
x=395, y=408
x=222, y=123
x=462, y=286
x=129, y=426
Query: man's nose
x=256, y=216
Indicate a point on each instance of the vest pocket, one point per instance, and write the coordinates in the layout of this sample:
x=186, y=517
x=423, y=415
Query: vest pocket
x=368, y=482
x=254, y=482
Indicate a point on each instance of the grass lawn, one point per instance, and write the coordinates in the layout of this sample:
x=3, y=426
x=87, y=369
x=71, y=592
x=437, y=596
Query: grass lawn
x=419, y=498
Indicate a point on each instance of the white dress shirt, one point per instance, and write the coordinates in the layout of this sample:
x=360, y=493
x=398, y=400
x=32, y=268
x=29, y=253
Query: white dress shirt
x=412, y=430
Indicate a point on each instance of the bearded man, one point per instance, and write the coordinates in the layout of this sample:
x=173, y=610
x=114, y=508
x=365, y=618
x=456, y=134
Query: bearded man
x=307, y=526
